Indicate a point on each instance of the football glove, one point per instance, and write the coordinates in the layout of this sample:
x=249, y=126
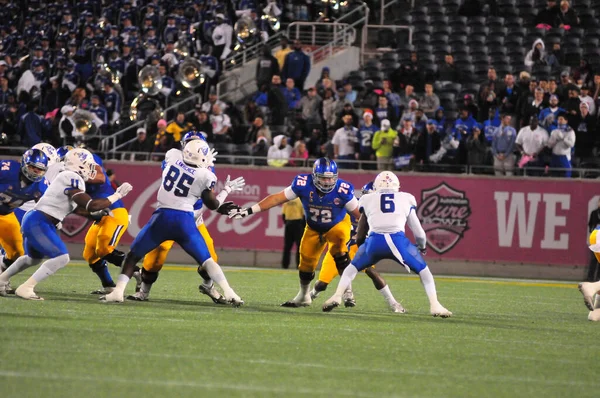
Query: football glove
x=227, y=207
x=234, y=185
x=239, y=213
x=124, y=189
x=97, y=215
x=213, y=157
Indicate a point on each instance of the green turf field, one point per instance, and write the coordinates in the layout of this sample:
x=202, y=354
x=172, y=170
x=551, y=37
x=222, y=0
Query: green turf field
x=506, y=339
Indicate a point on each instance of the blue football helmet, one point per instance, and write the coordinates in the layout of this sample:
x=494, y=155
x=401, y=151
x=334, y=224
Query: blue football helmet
x=367, y=188
x=325, y=174
x=34, y=164
x=192, y=135
x=62, y=152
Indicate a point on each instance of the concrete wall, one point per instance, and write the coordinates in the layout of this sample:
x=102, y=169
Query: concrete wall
x=340, y=64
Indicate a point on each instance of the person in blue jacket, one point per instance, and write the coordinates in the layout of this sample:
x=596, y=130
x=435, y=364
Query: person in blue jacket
x=296, y=66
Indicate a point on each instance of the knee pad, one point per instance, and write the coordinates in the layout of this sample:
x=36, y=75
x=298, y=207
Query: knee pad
x=149, y=277
x=341, y=262
x=306, y=277
x=98, y=265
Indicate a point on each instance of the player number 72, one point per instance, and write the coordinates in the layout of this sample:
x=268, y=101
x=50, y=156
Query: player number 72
x=324, y=214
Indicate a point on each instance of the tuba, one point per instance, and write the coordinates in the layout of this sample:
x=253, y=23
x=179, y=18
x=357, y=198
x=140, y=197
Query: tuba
x=150, y=80
x=271, y=16
x=145, y=108
x=191, y=73
x=245, y=31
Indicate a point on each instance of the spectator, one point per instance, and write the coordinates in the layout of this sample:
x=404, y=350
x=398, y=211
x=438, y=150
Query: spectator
x=440, y=120
x=491, y=125
x=31, y=126
x=583, y=72
x=260, y=149
x=488, y=92
x=585, y=131
x=537, y=55
x=465, y=122
x=407, y=96
x=276, y=102
x=66, y=126
x=141, y=146
x=347, y=110
x=310, y=106
x=99, y=111
x=530, y=142
x=327, y=108
x=291, y=94
x=314, y=143
x=393, y=98
x=212, y=100
x=165, y=143
x=562, y=141
x=535, y=107
x=509, y=95
x=571, y=106
x=429, y=102
x=547, y=17
x=585, y=97
x=251, y=111
x=294, y=220
x=266, y=67
x=410, y=111
x=548, y=117
x=113, y=101
x=552, y=89
x=563, y=88
x=299, y=155
x=297, y=66
x=280, y=152
x=407, y=73
x=258, y=128
x=282, y=52
x=385, y=111
x=178, y=127
x=428, y=143
x=350, y=93
x=566, y=16
x=324, y=81
x=556, y=58
x=221, y=37
x=201, y=123
x=366, y=130
x=476, y=148
x=344, y=143
x=470, y=105
x=503, y=146
x=221, y=124
x=447, y=71
x=383, y=145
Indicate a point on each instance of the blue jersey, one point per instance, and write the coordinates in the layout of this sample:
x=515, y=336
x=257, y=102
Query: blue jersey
x=12, y=193
x=104, y=190
x=365, y=136
x=323, y=211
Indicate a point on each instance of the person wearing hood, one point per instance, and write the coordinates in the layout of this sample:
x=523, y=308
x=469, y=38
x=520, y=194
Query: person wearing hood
x=562, y=141
x=383, y=145
x=440, y=120
x=266, y=67
x=297, y=66
x=491, y=125
x=280, y=152
x=548, y=116
x=537, y=54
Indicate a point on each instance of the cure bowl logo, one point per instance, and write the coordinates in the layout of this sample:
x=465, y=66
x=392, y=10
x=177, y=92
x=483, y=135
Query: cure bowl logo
x=444, y=213
x=73, y=225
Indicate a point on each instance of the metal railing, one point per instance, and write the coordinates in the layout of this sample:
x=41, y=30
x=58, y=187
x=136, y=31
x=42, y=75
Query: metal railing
x=250, y=53
x=317, y=33
x=395, y=28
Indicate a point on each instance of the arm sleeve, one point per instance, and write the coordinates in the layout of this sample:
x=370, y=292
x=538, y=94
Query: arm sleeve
x=289, y=193
x=352, y=204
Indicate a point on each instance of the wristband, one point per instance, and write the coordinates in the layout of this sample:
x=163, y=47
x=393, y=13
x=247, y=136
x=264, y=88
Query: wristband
x=113, y=198
x=254, y=209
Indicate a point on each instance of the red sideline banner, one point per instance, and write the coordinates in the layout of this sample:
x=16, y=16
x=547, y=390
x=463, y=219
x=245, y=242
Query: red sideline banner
x=533, y=221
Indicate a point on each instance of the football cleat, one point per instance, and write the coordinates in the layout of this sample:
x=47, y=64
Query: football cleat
x=594, y=316
x=4, y=289
x=332, y=303
x=9, y=288
x=138, y=296
x=214, y=294
x=103, y=291
x=27, y=293
x=113, y=297
x=588, y=292
x=298, y=302
x=314, y=294
x=137, y=275
x=348, y=298
x=398, y=308
x=439, y=310
x=235, y=300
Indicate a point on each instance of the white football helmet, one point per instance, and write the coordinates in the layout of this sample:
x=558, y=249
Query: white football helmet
x=49, y=151
x=197, y=153
x=386, y=181
x=81, y=161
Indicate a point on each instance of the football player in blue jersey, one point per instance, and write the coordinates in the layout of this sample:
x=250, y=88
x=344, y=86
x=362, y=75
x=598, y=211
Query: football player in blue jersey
x=329, y=270
x=327, y=200
x=20, y=182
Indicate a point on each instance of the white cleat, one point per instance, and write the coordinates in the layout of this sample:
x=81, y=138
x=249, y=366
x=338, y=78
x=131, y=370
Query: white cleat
x=332, y=303
x=234, y=300
x=27, y=293
x=594, y=316
x=314, y=294
x=137, y=275
x=588, y=292
x=113, y=297
x=103, y=291
x=138, y=296
x=298, y=302
x=213, y=293
x=348, y=298
x=439, y=310
x=398, y=308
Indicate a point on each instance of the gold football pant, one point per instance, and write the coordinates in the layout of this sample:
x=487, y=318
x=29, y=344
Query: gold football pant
x=104, y=235
x=313, y=243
